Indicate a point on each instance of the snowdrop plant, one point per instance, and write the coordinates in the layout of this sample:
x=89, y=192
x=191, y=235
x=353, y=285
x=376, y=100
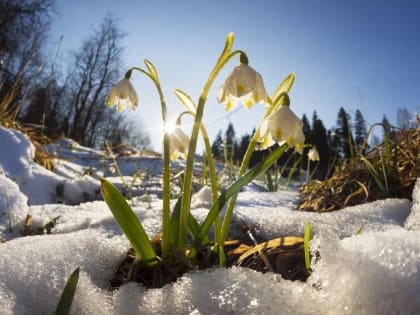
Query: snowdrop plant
x=263, y=139
x=243, y=84
x=313, y=156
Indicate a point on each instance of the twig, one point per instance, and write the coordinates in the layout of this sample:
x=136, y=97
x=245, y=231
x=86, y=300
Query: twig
x=260, y=252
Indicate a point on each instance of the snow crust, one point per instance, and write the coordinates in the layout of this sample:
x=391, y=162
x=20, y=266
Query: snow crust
x=374, y=272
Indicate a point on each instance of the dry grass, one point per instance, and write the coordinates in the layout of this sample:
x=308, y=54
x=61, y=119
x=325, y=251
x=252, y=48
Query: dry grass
x=9, y=110
x=354, y=184
x=38, y=138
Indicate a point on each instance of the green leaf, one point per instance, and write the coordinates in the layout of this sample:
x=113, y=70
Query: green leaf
x=280, y=95
x=186, y=100
x=193, y=226
x=152, y=70
x=234, y=188
x=66, y=299
x=284, y=86
x=128, y=222
x=229, y=43
x=282, y=99
x=373, y=173
x=360, y=229
x=306, y=239
x=174, y=224
x=292, y=170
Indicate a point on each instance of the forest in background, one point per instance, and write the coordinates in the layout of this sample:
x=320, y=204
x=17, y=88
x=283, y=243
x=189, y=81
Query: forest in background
x=348, y=139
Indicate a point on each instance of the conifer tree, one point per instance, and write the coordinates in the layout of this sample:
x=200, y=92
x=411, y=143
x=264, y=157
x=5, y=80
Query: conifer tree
x=230, y=141
x=344, y=134
x=242, y=147
x=306, y=129
x=360, y=130
x=386, y=125
x=216, y=147
x=319, y=140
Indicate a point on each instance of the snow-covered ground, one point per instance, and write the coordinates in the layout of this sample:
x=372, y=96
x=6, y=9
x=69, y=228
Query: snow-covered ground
x=375, y=272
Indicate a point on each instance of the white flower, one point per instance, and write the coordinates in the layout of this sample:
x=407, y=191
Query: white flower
x=313, y=154
x=178, y=143
x=282, y=126
x=112, y=169
x=123, y=95
x=244, y=82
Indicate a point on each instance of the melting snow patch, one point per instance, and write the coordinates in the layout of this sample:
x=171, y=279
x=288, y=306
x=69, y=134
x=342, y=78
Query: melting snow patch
x=34, y=270
x=375, y=272
x=13, y=205
x=274, y=216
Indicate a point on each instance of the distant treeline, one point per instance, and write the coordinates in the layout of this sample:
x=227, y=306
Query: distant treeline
x=348, y=138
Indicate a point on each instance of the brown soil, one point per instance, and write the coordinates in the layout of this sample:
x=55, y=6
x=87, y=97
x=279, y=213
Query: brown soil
x=284, y=256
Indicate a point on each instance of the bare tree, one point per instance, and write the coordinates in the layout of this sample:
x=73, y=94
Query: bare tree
x=96, y=67
x=23, y=30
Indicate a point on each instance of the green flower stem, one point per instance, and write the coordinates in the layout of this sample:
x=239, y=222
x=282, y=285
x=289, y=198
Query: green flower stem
x=225, y=56
x=166, y=220
x=212, y=173
x=213, y=181
x=307, y=173
x=166, y=162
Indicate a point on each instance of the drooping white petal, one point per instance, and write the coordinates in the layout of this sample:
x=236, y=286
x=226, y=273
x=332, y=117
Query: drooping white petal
x=178, y=145
x=260, y=94
x=123, y=95
x=243, y=82
x=313, y=154
x=282, y=126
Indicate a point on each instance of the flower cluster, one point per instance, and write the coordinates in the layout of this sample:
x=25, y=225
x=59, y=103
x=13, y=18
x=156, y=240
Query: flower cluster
x=280, y=125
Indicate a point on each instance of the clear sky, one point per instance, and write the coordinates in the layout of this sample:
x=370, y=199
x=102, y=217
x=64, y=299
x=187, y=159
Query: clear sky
x=355, y=54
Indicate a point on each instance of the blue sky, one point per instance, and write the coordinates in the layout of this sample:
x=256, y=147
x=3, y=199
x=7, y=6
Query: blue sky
x=355, y=54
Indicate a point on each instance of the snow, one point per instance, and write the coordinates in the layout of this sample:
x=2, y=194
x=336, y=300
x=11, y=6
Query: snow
x=413, y=220
x=374, y=272
x=13, y=204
